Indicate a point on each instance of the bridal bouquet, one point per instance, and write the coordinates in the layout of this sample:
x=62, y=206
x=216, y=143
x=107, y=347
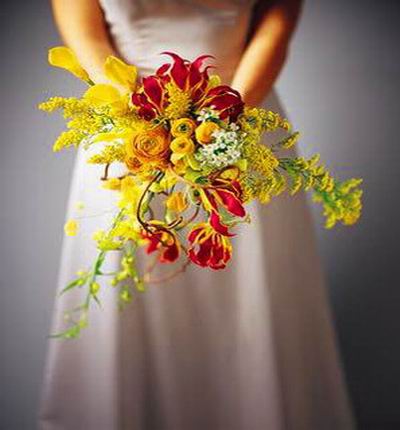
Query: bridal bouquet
x=192, y=159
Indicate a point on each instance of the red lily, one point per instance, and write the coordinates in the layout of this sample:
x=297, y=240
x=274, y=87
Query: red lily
x=208, y=248
x=189, y=77
x=166, y=241
x=225, y=100
x=226, y=193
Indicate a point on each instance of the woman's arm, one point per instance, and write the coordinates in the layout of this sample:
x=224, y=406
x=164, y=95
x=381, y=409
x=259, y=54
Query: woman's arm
x=83, y=29
x=267, y=49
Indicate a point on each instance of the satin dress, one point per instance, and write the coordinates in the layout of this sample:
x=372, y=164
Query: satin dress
x=248, y=348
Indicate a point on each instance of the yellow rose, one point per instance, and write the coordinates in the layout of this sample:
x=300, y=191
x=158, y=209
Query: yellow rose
x=182, y=127
x=205, y=130
x=177, y=202
x=148, y=148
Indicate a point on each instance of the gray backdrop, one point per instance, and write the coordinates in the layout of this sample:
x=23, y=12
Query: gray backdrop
x=341, y=89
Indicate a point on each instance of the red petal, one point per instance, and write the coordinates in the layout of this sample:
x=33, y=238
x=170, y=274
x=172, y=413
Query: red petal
x=170, y=254
x=223, y=89
x=153, y=243
x=232, y=203
x=195, y=75
x=216, y=224
x=153, y=90
x=223, y=101
x=194, y=234
x=211, y=199
x=163, y=69
x=179, y=71
x=147, y=113
x=204, y=252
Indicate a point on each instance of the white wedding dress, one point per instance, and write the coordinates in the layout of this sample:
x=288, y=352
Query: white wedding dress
x=248, y=348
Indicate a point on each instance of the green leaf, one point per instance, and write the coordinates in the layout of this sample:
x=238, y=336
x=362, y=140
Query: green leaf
x=75, y=283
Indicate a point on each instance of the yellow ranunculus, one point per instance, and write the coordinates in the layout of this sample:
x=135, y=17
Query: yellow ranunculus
x=182, y=127
x=182, y=145
x=147, y=148
x=65, y=58
x=102, y=94
x=177, y=202
x=205, y=130
x=180, y=164
x=71, y=227
x=120, y=73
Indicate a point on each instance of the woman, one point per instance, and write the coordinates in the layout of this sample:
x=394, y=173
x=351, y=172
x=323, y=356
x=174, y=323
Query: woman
x=248, y=348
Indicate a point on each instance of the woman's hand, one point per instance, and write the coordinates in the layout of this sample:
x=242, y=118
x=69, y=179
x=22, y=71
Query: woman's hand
x=267, y=49
x=83, y=29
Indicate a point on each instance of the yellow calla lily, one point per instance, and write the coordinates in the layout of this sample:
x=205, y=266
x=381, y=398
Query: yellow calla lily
x=120, y=73
x=102, y=94
x=65, y=58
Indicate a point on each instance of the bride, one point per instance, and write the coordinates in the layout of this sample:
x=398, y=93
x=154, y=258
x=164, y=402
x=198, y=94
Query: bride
x=248, y=348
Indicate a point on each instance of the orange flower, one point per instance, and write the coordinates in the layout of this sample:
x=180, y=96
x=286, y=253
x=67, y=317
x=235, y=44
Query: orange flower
x=150, y=148
x=205, y=130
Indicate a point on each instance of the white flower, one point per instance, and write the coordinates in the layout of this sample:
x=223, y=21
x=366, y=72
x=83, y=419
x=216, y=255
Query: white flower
x=224, y=150
x=207, y=114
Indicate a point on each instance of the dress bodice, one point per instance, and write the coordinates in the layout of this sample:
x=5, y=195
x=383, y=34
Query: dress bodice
x=142, y=29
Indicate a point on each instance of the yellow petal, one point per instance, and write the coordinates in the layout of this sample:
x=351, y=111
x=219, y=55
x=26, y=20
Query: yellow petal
x=102, y=94
x=120, y=73
x=214, y=81
x=175, y=157
x=65, y=58
x=71, y=227
x=107, y=137
x=242, y=164
x=193, y=163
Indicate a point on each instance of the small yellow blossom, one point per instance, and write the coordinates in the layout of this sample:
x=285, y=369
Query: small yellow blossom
x=179, y=102
x=131, y=192
x=109, y=154
x=71, y=227
x=112, y=184
x=79, y=205
x=94, y=288
x=177, y=202
x=67, y=139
